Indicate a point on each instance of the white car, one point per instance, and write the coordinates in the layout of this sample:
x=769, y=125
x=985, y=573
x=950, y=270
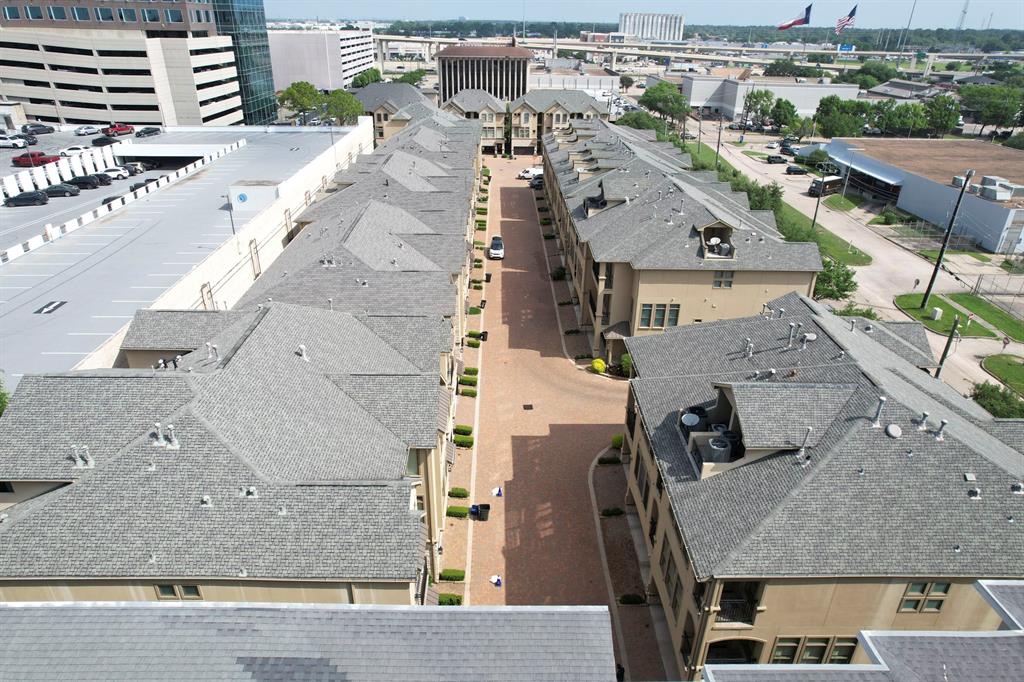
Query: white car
x=772, y=145
x=74, y=150
x=12, y=142
x=87, y=130
x=529, y=173
x=496, y=250
x=116, y=172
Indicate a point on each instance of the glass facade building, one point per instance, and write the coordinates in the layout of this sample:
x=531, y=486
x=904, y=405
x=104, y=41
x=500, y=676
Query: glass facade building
x=246, y=23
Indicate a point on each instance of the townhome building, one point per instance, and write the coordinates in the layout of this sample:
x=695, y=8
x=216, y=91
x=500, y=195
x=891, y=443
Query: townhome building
x=649, y=245
x=392, y=106
x=295, y=448
x=800, y=477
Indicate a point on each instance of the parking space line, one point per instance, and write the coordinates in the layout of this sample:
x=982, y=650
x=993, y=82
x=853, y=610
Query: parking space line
x=167, y=274
x=58, y=352
x=112, y=317
x=123, y=300
x=90, y=333
x=142, y=287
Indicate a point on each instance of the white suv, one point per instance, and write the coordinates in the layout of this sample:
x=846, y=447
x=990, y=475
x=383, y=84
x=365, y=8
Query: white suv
x=74, y=150
x=497, y=249
x=116, y=172
x=12, y=142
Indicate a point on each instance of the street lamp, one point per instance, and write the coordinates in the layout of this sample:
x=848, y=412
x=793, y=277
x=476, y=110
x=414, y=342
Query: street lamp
x=945, y=239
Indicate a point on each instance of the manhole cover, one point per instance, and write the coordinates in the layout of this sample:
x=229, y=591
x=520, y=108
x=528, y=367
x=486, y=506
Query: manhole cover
x=528, y=406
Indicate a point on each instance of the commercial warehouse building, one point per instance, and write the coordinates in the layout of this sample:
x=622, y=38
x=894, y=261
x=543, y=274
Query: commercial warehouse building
x=714, y=95
x=327, y=59
x=923, y=177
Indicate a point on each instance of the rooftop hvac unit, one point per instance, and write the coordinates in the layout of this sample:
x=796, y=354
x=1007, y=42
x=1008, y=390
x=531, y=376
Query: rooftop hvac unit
x=719, y=450
x=1016, y=191
x=996, y=193
x=958, y=181
x=736, y=447
x=991, y=180
x=972, y=189
x=719, y=428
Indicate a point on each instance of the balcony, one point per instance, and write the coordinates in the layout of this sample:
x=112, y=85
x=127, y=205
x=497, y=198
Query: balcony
x=736, y=612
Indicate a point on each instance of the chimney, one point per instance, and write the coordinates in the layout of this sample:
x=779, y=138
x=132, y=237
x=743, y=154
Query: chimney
x=942, y=427
x=876, y=423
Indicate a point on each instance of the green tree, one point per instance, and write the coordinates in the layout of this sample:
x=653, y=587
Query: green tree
x=818, y=156
x=942, y=113
x=641, y=120
x=5, y=397
x=665, y=100
x=786, y=68
x=835, y=283
x=1000, y=402
x=300, y=97
x=625, y=82
x=952, y=66
x=412, y=78
x=1015, y=142
x=365, y=78
x=343, y=106
x=996, y=105
x=802, y=127
x=757, y=104
x=783, y=113
x=841, y=124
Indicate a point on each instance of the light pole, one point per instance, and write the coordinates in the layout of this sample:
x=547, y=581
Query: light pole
x=849, y=167
x=817, y=204
x=945, y=239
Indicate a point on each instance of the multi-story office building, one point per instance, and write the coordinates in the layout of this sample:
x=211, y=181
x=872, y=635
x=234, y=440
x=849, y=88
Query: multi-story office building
x=500, y=70
x=667, y=27
x=132, y=62
x=246, y=24
x=327, y=59
x=798, y=479
x=650, y=245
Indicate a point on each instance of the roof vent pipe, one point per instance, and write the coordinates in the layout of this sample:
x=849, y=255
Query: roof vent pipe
x=209, y=351
x=876, y=423
x=87, y=460
x=852, y=325
x=216, y=355
x=161, y=364
x=159, y=435
x=922, y=424
x=176, y=361
x=749, y=348
x=330, y=304
x=782, y=313
x=792, y=334
x=172, y=440
x=942, y=427
x=302, y=352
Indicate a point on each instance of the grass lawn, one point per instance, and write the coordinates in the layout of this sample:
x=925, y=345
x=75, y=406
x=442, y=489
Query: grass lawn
x=831, y=245
x=909, y=303
x=1013, y=267
x=932, y=254
x=1008, y=368
x=841, y=203
x=737, y=143
x=755, y=155
x=705, y=153
x=994, y=315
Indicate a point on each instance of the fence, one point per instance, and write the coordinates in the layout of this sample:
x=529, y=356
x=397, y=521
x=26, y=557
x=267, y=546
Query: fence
x=1004, y=291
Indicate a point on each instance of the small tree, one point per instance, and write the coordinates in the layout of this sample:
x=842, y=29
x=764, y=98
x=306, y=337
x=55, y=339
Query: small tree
x=818, y=156
x=343, y=106
x=801, y=128
x=365, y=78
x=758, y=103
x=783, y=113
x=665, y=100
x=5, y=397
x=835, y=283
x=641, y=120
x=942, y=113
x=625, y=82
x=413, y=77
x=1000, y=402
x=300, y=97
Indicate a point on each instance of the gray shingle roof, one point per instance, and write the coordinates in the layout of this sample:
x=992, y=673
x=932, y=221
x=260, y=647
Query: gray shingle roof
x=472, y=100
x=160, y=641
x=393, y=95
x=774, y=516
x=573, y=101
x=177, y=329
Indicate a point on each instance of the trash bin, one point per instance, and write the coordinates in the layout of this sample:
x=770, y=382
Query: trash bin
x=483, y=303
x=483, y=511
x=474, y=510
x=487, y=277
x=483, y=336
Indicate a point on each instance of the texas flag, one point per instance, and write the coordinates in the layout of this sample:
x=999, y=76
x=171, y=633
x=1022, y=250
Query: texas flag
x=801, y=20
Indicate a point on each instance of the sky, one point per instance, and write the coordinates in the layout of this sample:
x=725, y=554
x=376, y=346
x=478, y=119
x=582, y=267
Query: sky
x=870, y=13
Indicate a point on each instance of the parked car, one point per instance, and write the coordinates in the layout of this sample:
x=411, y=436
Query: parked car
x=87, y=130
x=116, y=172
x=30, y=159
x=140, y=185
x=796, y=170
x=102, y=141
x=12, y=142
x=85, y=181
x=734, y=126
x=775, y=158
x=497, y=248
x=115, y=129
x=62, y=190
x=29, y=139
x=788, y=151
x=110, y=200
x=36, y=128
x=689, y=136
x=772, y=145
x=537, y=182
x=103, y=178
x=73, y=150
x=789, y=139
x=529, y=173
x=133, y=167
x=27, y=199
x=149, y=131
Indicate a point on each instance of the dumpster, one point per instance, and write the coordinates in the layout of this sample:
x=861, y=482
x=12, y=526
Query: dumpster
x=483, y=336
x=483, y=511
x=487, y=277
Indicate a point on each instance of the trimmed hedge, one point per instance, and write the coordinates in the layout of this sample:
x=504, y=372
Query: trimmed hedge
x=472, y=371
x=447, y=599
x=608, y=512
x=463, y=441
x=549, y=235
x=480, y=210
x=460, y=493
x=473, y=343
x=463, y=429
x=478, y=287
x=617, y=441
x=558, y=274
x=485, y=171
x=473, y=311
x=457, y=512
x=626, y=363
x=453, y=575
x=473, y=334
x=481, y=223
x=468, y=392
x=609, y=459
x=477, y=242
x=477, y=266
x=476, y=281
x=598, y=366
x=545, y=221
x=632, y=599
x=467, y=380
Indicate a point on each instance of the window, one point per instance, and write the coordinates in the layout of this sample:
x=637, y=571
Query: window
x=606, y=309
x=151, y=16
x=412, y=465
x=842, y=650
x=666, y=557
x=814, y=650
x=11, y=13
x=723, y=279
x=80, y=13
x=645, y=315
x=190, y=592
x=6, y=487
x=673, y=315
x=104, y=14
x=785, y=650
x=526, y=117
x=659, y=315
x=609, y=275
x=923, y=597
x=128, y=15
x=58, y=13
x=839, y=650
x=173, y=16
x=166, y=592
x=169, y=592
x=34, y=13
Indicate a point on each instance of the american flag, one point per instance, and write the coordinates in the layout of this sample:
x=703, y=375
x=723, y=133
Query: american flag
x=847, y=21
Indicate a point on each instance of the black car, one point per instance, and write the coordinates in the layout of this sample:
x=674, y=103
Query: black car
x=140, y=185
x=103, y=178
x=775, y=158
x=103, y=141
x=110, y=200
x=62, y=190
x=29, y=139
x=537, y=182
x=85, y=182
x=788, y=151
x=27, y=199
x=148, y=132
x=796, y=170
x=36, y=129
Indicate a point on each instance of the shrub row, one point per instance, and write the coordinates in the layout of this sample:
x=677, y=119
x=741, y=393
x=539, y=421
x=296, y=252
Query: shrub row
x=611, y=511
x=457, y=512
x=480, y=210
x=473, y=334
x=468, y=392
x=460, y=493
x=617, y=441
x=473, y=311
x=472, y=371
x=463, y=429
x=467, y=380
x=609, y=459
x=463, y=441
x=473, y=343
x=453, y=575
x=446, y=599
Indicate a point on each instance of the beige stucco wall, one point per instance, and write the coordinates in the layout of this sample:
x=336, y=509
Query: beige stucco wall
x=26, y=490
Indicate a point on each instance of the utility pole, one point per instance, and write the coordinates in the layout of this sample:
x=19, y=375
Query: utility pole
x=849, y=168
x=945, y=239
x=817, y=204
x=718, y=147
x=949, y=344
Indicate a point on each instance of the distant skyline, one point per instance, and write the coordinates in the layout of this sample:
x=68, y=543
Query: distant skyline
x=1006, y=14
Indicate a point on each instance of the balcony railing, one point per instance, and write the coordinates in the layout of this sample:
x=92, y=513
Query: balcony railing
x=736, y=611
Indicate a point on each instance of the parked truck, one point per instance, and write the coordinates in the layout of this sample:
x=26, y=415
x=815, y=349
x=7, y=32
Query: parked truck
x=830, y=184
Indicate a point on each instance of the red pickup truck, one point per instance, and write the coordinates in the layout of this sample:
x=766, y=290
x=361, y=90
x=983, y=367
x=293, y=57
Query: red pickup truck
x=115, y=129
x=29, y=159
